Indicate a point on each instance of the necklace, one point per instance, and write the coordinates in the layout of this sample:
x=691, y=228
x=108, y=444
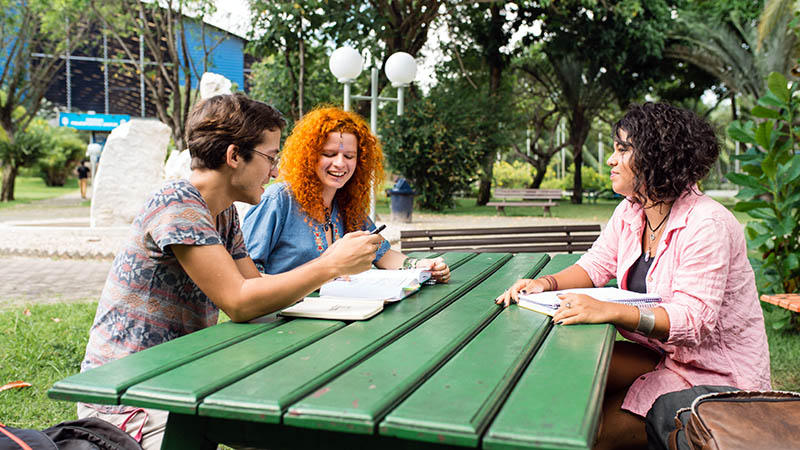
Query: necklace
x=327, y=225
x=652, y=236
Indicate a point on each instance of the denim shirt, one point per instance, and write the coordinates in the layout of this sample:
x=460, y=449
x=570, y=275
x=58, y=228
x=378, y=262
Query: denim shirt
x=280, y=236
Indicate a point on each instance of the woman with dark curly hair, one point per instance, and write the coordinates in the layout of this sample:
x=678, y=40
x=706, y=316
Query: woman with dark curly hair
x=329, y=166
x=667, y=238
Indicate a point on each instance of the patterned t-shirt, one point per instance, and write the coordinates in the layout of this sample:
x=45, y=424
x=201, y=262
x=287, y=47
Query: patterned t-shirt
x=148, y=298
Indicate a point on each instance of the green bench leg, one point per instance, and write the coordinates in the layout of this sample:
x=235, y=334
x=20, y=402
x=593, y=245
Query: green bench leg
x=186, y=432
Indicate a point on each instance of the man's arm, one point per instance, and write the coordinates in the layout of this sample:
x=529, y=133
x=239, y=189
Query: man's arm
x=241, y=298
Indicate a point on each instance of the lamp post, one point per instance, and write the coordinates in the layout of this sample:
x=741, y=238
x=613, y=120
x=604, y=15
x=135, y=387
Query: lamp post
x=346, y=64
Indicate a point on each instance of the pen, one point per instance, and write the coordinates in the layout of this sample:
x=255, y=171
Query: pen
x=378, y=230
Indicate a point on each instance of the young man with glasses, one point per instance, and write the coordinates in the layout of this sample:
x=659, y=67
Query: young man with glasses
x=186, y=258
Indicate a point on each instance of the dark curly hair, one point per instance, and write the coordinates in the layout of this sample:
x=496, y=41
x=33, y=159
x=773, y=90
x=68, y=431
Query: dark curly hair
x=222, y=120
x=673, y=149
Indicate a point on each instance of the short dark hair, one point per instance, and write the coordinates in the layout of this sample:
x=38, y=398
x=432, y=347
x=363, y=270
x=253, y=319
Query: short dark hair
x=222, y=120
x=673, y=148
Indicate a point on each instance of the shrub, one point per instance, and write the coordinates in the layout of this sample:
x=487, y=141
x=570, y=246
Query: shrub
x=770, y=187
x=63, y=148
x=434, y=148
x=515, y=175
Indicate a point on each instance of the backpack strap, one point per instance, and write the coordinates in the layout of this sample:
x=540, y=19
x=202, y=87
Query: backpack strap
x=124, y=425
x=14, y=438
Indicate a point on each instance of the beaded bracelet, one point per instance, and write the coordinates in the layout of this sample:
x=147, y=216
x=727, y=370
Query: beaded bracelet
x=551, y=280
x=409, y=263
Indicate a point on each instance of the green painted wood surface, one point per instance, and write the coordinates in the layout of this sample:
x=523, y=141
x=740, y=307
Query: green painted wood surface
x=458, y=402
x=357, y=400
x=557, y=402
x=266, y=394
x=182, y=388
x=106, y=384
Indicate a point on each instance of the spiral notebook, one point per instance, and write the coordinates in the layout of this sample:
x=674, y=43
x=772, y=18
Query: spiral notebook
x=548, y=302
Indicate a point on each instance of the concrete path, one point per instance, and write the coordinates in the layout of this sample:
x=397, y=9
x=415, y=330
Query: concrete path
x=49, y=254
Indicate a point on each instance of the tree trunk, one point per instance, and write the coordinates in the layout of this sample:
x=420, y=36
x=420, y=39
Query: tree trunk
x=485, y=188
x=578, y=132
x=9, y=176
x=541, y=169
x=302, y=78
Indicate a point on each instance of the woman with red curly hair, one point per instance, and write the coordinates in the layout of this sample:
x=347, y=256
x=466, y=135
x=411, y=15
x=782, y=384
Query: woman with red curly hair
x=329, y=165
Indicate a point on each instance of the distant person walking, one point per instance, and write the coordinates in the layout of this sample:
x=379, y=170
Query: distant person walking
x=83, y=173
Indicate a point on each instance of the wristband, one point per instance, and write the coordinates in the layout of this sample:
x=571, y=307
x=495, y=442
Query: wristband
x=647, y=321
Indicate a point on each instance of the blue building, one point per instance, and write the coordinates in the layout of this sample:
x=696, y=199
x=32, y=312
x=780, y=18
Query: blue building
x=99, y=77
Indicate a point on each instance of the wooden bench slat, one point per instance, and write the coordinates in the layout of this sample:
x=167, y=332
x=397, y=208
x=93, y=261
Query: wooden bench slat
x=436, y=243
x=787, y=301
x=181, y=389
x=107, y=383
x=557, y=401
x=457, y=403
x=499, y=230
x=358, y=399
x=267, y=393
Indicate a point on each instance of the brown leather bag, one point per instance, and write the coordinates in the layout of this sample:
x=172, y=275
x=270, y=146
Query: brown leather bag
x=742, y=420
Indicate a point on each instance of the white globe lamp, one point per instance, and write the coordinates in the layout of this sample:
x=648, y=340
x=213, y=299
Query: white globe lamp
x=346, y=64
x=401, y=69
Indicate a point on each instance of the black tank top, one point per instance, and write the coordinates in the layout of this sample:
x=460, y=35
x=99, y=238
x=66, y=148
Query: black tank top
x=637, y=275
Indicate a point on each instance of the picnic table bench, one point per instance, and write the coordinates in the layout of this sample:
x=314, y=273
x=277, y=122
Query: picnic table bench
x=546, y=239
x=445, y=366
x=526, y=197
x=786, y=301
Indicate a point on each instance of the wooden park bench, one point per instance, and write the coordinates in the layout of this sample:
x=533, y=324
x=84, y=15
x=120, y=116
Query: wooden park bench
x=526, y=197
x=788, y=301
x=548, y=239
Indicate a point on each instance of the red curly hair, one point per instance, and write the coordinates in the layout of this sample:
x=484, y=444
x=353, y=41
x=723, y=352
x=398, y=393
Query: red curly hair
x=301, y=154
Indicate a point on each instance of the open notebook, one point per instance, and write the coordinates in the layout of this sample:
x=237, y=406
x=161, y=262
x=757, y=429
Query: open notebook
x=377, y=284
x=548, y=302
x=359, y=296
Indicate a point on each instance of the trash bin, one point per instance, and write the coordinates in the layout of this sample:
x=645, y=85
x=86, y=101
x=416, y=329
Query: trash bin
x=402, y=200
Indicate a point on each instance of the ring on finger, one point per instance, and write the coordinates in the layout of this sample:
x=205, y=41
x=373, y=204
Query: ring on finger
x=568, y=305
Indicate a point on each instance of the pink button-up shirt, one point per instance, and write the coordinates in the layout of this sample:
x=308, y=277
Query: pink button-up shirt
x=707, y=288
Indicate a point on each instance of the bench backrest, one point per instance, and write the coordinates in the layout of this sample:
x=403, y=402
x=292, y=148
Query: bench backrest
x=528, y=194
x=547, y=239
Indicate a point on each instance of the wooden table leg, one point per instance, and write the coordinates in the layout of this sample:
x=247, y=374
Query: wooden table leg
x=185, y=432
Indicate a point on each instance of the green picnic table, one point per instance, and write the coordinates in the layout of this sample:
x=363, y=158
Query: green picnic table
x=443, y=367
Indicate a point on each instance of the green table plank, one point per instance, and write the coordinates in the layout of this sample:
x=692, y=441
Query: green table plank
x=264, y=395
x=456, y=404
x=182, y=388
x=557, y=402
x=106, y=384
x=357, y=400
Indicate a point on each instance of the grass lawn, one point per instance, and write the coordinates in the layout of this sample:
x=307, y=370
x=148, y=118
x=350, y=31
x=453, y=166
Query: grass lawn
x=600, y=211
x=48, y=344
x=30, y=189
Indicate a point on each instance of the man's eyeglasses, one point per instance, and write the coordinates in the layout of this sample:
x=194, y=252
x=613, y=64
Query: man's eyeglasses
x=274, y=160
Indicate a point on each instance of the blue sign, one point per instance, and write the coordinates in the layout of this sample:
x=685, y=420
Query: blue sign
x=94, y=122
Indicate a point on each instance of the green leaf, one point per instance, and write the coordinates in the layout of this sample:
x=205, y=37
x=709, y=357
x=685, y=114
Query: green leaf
x=778, y=85
x=762, y=213
x=790, y=172
x=747, y=206
x=759, y=240
x=741, y=132
x=763, y=134
x=745, y=180
x=765, y=113
x=769, y=99
x=770, y=167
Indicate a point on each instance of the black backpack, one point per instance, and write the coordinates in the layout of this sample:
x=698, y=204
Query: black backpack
x=82, y=434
